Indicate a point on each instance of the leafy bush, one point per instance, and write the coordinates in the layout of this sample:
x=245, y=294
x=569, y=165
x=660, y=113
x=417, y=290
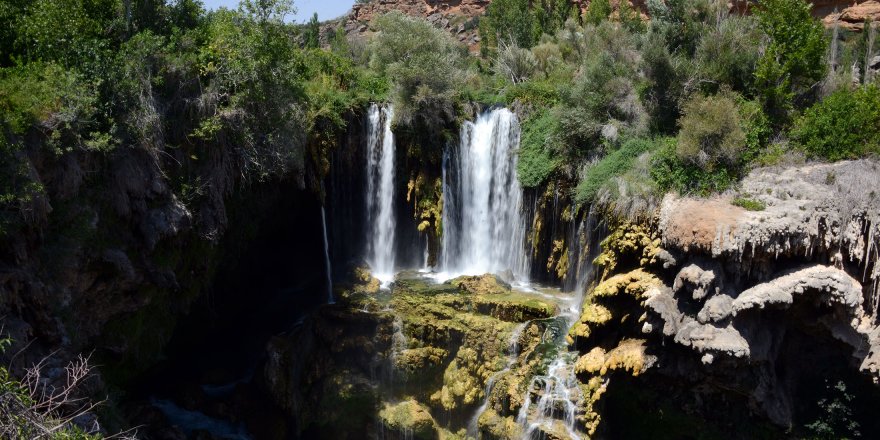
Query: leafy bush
x=679, y=23
x=614, y=164
x=673, y=174
x=510, y=22
x=795, y=57
x=537, y=160
x=727, y=54
x=43, y=93
x=72, y=33
x=836, y=419
x=515, y=63
x=18, y=190
x=425, y=64
x=711, y=132
x=749, y=204
x=598, y=12
x=603, y=102
x=846, y=125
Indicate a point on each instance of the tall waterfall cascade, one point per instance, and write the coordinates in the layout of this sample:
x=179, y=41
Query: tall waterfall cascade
x=484, y=229
x=380, y=193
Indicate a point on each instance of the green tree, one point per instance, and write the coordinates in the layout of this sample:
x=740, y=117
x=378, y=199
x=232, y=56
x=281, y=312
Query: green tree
x=426, y=65
x=794, y=59
x=846, y=125
x=312, y=35
x=598, y=11
x=509, y=21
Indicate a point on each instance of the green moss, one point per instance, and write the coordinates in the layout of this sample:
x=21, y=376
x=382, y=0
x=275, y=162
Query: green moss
x=409, y=417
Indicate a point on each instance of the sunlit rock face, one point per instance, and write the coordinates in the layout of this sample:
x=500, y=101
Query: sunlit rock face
x=731, y=299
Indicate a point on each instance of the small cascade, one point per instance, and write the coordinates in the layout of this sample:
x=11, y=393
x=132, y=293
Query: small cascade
x=327, y=264
x=558, y=393
x=398, y=343
x=380, y=193
x=552, y=399
x=483, y=226
x=512, y=354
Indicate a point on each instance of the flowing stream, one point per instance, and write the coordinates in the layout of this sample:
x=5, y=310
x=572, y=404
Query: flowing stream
x=551, y=400
x=380, y=193
x=483, y=226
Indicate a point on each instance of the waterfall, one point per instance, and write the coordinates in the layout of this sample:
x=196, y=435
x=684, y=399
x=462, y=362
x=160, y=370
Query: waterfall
x=327, y=264
x=380, y=193
x=483, y=226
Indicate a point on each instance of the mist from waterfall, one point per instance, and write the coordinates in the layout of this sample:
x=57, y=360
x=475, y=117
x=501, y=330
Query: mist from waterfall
x=380, y=193
x=483, y=226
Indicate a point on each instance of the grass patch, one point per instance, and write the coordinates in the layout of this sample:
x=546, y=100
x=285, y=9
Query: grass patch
x=749, y=204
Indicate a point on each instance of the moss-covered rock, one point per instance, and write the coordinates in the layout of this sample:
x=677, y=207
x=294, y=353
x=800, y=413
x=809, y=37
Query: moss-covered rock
x=633, y=284
x=411, y=419
x=481, y=284
x=629, y=245
x=628, y=356
x=593, y=316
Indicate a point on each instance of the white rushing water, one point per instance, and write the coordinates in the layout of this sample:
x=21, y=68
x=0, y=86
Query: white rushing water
x=327, y=266
x=552, y=399
x=483, y=226
x=380, y=193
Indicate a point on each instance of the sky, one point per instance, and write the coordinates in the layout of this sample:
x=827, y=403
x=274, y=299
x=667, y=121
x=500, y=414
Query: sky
x=326, y=9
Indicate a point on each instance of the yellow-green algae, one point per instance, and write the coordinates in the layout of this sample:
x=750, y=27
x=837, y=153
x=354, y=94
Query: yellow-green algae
x=634, y=284
x=411, y=417
x=479, y=312
x=627, y=256
x=628, y=240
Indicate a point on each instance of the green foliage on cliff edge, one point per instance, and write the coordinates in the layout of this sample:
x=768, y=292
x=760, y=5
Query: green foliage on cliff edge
x=846, y=125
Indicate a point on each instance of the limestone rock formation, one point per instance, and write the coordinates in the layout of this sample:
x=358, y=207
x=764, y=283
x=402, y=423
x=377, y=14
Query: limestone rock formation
x=852, y=16
x=724, y=293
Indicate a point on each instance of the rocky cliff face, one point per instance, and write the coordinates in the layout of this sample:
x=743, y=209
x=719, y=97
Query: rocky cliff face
x=734, y=323
x=728, y=300
x=461, y=17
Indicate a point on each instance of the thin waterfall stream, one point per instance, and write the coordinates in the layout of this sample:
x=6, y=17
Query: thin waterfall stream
x=327, y=264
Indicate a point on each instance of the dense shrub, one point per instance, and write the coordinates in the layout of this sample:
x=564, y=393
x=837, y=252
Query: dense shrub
x=680, y=23
x=43, y=93
x=602, y=174
x=425, y=64
x=673, y=174
x=537, y=158
x=521, y=22
x=598, y=11
x=603, y=102
x=515, y=63
x=794, y=59
x=711, y=132
x=846, y=125
x=728, y=53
